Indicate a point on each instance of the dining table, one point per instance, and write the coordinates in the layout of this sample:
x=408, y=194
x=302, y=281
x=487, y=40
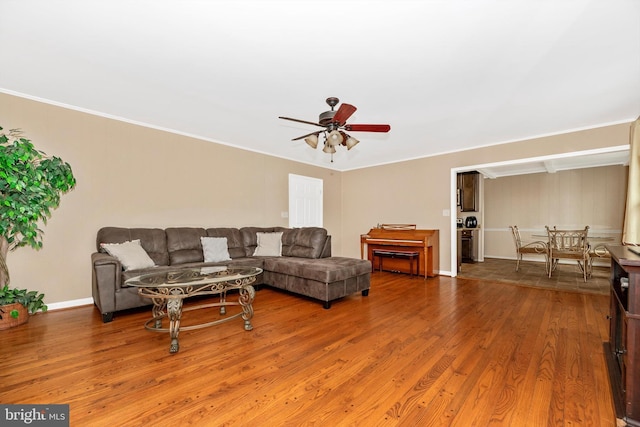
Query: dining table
x=599, y=241
x=589, y=237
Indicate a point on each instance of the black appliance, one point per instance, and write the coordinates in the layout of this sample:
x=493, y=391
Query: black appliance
x=471, y=222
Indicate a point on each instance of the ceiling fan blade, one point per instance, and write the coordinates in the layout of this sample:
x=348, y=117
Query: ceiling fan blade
x=368, y=128
x=301, y=121
x=344, y=112
x=309, y=134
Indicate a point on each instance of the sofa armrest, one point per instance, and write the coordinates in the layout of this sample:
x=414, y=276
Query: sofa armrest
x=326, y=250
x=105, y=281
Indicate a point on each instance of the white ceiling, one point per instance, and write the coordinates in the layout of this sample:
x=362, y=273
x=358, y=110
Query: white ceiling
x=447, y=75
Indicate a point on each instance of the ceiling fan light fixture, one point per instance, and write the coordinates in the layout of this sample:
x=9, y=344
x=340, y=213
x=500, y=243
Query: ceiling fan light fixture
x=334, y=138
x=312, y=141
x=351, y=142
x=344, y=138
x=329, y=149
x=334, y=127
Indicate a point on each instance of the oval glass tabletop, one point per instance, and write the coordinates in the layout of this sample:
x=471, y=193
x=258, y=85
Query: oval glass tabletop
x=190, y=276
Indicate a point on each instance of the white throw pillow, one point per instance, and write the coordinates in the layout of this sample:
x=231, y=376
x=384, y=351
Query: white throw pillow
x=269, y=244
x=215, y=249
x=130, y=254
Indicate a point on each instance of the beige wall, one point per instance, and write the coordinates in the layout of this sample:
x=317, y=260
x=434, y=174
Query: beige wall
x=130, y=176
x=566, y=199
x=133, y=176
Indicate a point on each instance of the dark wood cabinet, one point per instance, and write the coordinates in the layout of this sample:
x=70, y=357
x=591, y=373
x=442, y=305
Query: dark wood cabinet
x=623, y=349
x=468, y=187
x=466, y=245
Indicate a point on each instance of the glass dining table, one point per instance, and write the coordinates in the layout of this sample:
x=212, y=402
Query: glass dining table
x=597, y=243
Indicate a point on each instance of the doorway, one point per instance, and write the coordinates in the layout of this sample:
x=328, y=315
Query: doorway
x=589, y=158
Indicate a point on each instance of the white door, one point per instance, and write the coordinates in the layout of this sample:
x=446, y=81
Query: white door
x=305, y=201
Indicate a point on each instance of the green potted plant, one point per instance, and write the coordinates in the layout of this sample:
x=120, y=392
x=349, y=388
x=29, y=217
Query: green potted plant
x=31, y=184
x=17, y=304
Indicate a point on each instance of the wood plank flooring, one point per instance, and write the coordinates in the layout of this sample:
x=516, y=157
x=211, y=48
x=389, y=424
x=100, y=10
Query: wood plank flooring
x=440, y=352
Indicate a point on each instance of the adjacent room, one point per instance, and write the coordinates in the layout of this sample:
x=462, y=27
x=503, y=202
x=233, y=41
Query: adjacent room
x=240, y=213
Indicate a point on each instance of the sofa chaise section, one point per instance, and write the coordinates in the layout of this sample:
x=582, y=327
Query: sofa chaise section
x=324, y=279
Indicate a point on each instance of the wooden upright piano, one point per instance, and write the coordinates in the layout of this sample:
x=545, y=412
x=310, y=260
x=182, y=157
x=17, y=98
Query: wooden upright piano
x=424, y=241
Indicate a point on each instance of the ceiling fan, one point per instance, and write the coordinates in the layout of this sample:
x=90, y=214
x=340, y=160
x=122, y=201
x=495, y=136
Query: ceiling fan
x=334, y=124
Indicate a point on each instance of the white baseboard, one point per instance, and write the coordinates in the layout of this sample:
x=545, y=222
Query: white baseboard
x=69, y=304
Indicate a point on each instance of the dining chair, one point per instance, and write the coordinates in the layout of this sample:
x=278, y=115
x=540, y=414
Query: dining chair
x=538, y=248
x=598, y=252
x=569, y=244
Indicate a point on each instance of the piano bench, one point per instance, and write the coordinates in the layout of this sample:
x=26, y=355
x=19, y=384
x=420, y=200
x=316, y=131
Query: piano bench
x=410, y=255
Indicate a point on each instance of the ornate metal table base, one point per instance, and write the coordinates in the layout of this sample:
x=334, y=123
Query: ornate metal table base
x=168, y=299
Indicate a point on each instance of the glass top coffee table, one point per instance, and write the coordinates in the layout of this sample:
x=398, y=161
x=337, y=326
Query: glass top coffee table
x=168, y=289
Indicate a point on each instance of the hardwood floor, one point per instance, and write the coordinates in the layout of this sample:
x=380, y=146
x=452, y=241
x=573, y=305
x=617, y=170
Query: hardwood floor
x=450, y=352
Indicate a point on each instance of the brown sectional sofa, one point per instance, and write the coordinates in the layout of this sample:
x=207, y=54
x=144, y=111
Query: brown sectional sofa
x=306, y=266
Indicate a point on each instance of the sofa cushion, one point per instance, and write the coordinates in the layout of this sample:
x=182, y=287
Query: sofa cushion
x=130, y=254
x=184, y=244
x=153, y=240
x=235, y=244
x=326, y=270
x=269, y=244
x=306, y=242
x=215, y=249
x=288, y=240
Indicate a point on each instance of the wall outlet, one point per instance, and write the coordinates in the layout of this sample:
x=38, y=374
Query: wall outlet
x=284, y=214
x=446, y=212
